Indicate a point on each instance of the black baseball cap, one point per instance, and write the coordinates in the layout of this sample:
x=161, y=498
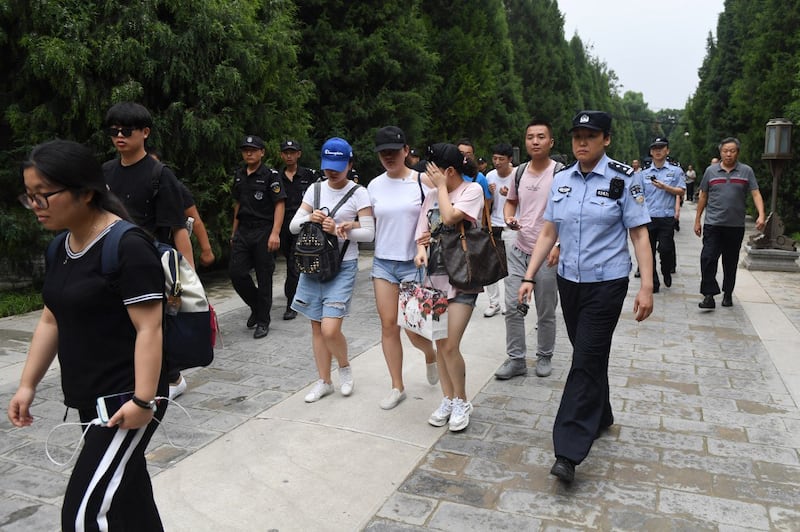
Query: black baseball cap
x=389, y=138
x=596, y=120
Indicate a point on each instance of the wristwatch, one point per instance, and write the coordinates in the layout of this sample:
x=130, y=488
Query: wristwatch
x=148, y=405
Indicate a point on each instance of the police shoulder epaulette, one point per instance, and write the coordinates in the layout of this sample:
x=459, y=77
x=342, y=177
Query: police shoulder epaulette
x=621, y=168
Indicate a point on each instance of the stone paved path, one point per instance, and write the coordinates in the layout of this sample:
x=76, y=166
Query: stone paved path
x=707, y=432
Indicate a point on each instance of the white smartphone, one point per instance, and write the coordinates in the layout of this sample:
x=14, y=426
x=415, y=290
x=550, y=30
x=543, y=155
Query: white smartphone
x=108, y=405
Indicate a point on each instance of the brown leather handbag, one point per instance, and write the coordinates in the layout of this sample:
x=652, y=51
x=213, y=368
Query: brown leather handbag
x=473, y=257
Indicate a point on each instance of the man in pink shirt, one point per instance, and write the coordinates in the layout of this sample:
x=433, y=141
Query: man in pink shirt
x=524, y=212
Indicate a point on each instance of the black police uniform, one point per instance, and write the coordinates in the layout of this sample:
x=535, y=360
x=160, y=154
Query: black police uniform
x=295, y=188
x=257, y=195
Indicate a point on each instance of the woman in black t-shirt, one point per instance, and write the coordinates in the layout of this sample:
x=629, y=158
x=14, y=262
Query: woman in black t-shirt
x=106, y=333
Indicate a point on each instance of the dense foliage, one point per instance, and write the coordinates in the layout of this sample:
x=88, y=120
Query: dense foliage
x=751, y=73
x=211, y=71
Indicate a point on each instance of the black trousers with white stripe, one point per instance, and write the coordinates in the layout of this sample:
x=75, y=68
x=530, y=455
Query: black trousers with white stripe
x=110, y=488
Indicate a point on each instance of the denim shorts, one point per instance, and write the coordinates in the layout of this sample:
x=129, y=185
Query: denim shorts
x=396, y=271
x=466, y=299
x=316, y=300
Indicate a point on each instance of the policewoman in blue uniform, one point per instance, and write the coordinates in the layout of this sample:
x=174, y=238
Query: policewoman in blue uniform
x=592, y=205
x=257, y=220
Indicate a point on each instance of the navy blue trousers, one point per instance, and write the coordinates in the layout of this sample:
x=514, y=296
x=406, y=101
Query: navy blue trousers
x=591, y=312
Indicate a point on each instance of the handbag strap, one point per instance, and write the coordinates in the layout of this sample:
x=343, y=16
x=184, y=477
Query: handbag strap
x=461, y=229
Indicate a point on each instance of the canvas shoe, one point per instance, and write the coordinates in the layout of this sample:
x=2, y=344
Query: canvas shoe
x=176, y=390
x=346, y=380
x=320, y=390
x=459, y=417
x=394, y=398
x=544, y=366
x=441, y=414
x=432, y=371
x=512, y=367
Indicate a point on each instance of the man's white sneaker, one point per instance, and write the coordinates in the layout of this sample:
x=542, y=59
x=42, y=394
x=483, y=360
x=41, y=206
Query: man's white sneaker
x=442, y=414
x=432, y=370
x=346, y=380
x=320, y=390
x=394, y=398
x=176, y=390
x=491, y=310
x=459, y=418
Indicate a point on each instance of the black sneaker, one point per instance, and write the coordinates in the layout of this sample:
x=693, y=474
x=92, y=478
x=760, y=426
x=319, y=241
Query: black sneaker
x=251, y=321
x=262, y=329
x=727, y=300
x=290, y=314
x=707, y=303
x=667, y=280
x=564, y=470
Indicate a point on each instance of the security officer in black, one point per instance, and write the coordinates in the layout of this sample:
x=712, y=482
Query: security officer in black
x=257, y=219
x=296, y=179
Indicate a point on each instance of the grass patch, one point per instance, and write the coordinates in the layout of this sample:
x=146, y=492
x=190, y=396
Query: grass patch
x=13, y=302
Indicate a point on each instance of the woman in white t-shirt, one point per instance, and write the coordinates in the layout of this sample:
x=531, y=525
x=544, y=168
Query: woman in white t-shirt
x=396, y=196
x=453, y=200
x=327, y=303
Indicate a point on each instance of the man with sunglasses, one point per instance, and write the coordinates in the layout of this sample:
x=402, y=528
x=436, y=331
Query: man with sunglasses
x=152, y=199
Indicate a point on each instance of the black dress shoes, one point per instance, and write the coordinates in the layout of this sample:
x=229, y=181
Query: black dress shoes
x=251, y=321
x=727, y=300
x=707, y=303
x=290, y=314
x=563, y=470
x=262, y=330
x=667, y=280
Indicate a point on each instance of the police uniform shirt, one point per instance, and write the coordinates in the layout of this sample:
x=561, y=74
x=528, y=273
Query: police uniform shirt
x=295, y=188
x=726, y=192
x=660, y=203
x=257, y=195
x=592, y=224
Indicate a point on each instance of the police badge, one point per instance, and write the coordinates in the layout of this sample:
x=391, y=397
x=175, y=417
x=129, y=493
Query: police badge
x=259, y=195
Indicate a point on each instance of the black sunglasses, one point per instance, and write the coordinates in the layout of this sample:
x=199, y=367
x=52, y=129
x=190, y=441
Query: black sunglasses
x=115, y=131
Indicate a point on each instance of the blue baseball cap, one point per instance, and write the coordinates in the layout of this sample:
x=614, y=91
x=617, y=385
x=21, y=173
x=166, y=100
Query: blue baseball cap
x=336, y=154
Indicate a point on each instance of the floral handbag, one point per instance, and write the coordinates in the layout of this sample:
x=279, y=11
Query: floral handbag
x=422, y=309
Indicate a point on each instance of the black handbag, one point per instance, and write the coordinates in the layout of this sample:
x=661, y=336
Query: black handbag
x=472, y=256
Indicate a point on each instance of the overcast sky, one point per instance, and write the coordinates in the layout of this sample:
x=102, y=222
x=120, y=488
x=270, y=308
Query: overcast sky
x=654, y=47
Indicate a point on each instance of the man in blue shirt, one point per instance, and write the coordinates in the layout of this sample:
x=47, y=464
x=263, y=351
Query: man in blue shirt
x=663, y=182
x=592, y=205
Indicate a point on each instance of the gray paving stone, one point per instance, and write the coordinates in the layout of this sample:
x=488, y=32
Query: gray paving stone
x=764, y=453
x=407, y=509
x=427, y=484
x=558, y=506
x=740, y=466
x=785, y=519
x=384, y=525
x=461, y=518
x=713, y=509
x=22, y=515
x=661, y=439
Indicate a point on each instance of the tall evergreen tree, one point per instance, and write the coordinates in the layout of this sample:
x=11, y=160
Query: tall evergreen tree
x=371, y=66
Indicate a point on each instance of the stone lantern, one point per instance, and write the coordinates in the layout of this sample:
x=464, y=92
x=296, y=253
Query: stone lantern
x=772, y=250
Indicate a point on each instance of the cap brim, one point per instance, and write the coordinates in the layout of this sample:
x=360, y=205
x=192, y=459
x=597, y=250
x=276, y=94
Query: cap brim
x=290, y=148
x=251, y=146
x=655, y=144
x=585, y=126
x=392, y=146
x=337, y=166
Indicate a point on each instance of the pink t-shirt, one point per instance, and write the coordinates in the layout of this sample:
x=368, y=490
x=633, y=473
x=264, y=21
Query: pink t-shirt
x=534, y=189
x=467, y=198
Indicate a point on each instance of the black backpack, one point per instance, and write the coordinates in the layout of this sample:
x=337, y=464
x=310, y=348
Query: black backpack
x=316, y=252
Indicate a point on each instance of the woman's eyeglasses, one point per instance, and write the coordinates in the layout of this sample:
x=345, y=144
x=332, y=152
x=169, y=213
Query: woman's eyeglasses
x=40, y=199
x=115, y=131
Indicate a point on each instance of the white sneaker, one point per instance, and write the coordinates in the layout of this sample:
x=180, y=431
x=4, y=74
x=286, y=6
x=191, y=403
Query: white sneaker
x=441, y=414
x=346, y=380
x=320, y=390
x=491, y=310
x=459, y=417
x=394, y=398
x=176, y=390
x=433, y=373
